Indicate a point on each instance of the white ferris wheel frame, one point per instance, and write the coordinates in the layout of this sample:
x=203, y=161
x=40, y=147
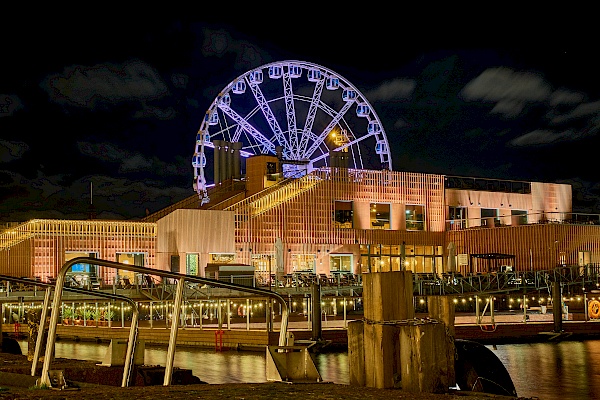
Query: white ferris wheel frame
x=298, y=143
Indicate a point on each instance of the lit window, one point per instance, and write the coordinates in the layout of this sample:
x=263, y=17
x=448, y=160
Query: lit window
x=415, y=217
x=343, y=214
x=380, y=216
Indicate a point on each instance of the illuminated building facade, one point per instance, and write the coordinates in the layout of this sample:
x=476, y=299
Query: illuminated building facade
x=38, y=248
x=330, y=221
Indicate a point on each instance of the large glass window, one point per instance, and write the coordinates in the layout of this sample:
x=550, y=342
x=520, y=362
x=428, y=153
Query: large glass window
x=519, y=217
x=343, y=214
x=380, y=215
x=340, y=263
x=457, y=217
x=81, y=274
x=489, y=217
x=415, y=217
x=304, y=262
x=128, y=277
x=261, y=262
x=419, y=259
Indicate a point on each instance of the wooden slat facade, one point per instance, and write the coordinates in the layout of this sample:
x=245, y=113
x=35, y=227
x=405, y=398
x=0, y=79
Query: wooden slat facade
x=301, y=213
x=46, y=243
x=535, y=246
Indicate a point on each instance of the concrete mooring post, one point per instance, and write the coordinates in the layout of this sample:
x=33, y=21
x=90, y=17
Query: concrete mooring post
x=392, y=349
x=317, y=330
x=557, y=306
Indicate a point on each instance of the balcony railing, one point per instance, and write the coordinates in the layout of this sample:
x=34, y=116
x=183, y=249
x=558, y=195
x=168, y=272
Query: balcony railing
x=523, y=219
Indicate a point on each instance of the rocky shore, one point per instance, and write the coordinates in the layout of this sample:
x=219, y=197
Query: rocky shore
x=248, y=391
x=16, y=383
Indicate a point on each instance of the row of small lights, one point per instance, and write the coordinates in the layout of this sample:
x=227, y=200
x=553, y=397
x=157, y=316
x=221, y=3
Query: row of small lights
x=260, y=304
x=161, y=306
x=511, y=300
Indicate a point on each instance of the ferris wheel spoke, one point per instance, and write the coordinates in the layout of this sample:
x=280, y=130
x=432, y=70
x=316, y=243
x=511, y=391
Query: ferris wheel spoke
x=353, y=142
x=336, y=119
x=310, y=118
x=323, y=156
x=268, y=114
x=290, y=111
x=248, y=128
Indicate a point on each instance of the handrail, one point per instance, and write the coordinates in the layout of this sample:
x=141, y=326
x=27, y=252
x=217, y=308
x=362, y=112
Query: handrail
x=504, y=281
x=60, y=279
x=132, y=330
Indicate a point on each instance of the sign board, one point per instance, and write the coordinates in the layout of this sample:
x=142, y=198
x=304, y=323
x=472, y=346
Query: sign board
x=463, y=259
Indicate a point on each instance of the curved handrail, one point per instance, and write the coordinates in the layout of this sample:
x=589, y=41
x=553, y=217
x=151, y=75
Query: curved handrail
x=60, y=279
x=133, y=330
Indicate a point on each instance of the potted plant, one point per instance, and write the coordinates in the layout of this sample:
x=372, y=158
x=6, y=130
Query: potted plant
x=99, y=318
x=77, y=318
x=88, y=316
x=67, y=315
x=109, y=315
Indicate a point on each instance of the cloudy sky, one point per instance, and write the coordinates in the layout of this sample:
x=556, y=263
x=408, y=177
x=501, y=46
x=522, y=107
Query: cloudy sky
x=108, y=113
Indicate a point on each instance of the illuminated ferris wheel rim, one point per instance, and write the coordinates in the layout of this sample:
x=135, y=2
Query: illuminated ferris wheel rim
x=299, y=143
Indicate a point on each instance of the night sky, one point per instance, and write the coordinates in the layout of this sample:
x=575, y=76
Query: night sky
x=108, y=111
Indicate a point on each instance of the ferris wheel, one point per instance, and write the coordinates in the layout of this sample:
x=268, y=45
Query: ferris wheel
x=300, y=111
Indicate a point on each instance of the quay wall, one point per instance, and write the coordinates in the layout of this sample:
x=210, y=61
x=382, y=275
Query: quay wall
x=257, y=339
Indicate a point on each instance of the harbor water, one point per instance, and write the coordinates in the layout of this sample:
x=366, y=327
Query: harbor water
x=568, y=370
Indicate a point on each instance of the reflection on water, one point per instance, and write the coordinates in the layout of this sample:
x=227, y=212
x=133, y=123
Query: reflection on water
x=206, y=364
x=549, y=371
x=564, y=370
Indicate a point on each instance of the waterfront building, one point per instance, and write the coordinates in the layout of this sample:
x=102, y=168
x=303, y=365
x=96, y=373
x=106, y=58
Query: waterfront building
x=332, y=221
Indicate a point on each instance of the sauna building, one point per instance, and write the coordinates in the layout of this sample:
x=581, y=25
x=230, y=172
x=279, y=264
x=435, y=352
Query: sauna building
x=330, y=221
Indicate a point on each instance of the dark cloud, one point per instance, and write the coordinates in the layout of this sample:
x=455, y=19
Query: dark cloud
x=12, y=150
x=397, y=89
x=509, y=90
x=103, y=84
x=9, y=104
x=118, y=112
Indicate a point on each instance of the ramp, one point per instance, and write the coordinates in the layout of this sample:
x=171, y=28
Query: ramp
x=117, y=351
x=291, y=364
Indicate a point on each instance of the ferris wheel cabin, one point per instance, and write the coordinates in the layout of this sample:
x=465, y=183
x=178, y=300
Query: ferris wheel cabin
x=225, y=99
x=211, y=117
x=373, y=127
x=199, y=160
x=295, y=71
x=255, y=77
x=239, y=87
x=313, y=75
x=332, y=83
x=349, y=95
x=275, y=72
x=381, y=147
x=362, y=110
x=203, y=138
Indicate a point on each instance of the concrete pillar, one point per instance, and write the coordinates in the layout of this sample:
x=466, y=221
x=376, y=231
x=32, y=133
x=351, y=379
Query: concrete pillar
x=237, y=169
x=223, y=160
x=217, y=161
x=229, y=160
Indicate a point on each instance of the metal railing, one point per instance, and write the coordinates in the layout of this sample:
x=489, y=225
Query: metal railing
x=133, y=330
x=564, y=218
x=180, y=279
x=498, y=282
